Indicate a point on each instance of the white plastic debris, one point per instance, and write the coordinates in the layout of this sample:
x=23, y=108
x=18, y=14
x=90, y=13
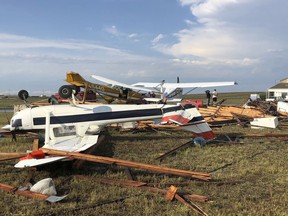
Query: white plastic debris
x=45, y=186
x=265, y=122
x=282, y=106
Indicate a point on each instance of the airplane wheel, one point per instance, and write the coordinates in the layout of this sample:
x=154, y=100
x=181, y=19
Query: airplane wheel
x=23, y=94
x=65, y=91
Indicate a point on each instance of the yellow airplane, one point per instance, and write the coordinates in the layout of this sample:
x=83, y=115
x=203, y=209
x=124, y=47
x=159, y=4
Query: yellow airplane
x=109, y=94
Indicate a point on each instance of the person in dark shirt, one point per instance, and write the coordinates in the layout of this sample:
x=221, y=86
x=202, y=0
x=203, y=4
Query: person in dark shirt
x=208, y=97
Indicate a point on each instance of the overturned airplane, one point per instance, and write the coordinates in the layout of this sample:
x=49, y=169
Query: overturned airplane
x=75, y=128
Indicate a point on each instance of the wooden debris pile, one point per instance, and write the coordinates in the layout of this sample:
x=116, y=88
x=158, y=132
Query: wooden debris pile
x=233, y=114
x=267, y=107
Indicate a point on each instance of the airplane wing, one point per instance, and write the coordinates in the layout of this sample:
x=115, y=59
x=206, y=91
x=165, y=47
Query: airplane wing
x=109, y=81
x=156, y=100
x=36, y=162
x=185, y=85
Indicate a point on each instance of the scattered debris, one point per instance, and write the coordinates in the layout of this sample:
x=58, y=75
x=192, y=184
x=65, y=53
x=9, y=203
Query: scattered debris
x=45, y=186
x=31, y=194
x=271, y=122
x=282, y=107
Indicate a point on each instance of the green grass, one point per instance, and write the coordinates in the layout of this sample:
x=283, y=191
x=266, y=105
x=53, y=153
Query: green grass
x=13, y=100
x=248, y=179
x=231, y=98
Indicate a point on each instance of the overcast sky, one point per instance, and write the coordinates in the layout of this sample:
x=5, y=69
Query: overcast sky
x=143, y=40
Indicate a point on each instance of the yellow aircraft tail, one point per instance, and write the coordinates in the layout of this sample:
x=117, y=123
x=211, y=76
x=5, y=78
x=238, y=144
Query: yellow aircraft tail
x=75, y=79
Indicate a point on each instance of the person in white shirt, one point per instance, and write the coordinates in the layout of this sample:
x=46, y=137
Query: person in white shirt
x=214, y=97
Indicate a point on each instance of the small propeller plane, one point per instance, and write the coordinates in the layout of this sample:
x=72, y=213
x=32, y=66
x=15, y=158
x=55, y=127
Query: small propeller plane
x=170, y=92
x=110, y=94
x=75, y=128
x=174, y=91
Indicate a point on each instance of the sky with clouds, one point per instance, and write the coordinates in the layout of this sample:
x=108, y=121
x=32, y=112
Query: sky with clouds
x=143, y=40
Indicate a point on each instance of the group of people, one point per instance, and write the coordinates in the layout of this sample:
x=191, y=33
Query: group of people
x=214, y=97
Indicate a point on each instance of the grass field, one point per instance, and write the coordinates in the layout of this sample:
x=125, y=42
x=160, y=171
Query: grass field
x=247, y=179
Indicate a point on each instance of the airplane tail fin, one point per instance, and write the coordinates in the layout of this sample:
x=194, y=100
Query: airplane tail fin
x=191, y=120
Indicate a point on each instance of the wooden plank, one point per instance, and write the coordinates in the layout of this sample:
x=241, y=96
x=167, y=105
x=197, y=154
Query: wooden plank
x=238, y=120
x=35, y=145
x=192, y=206
x=25, y=193
x=11, y=155
x=119, y=162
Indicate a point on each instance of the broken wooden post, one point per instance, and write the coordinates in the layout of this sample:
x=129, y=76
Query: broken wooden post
x=171, y=194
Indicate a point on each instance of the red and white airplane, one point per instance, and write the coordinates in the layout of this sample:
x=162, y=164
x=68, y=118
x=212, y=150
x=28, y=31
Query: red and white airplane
x=75, y=128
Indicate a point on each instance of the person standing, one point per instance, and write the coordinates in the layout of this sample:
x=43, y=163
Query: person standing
x=208, y=96
x=214, y=97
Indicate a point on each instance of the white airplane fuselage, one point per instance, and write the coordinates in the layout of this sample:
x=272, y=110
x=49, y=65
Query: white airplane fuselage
x=34, y=118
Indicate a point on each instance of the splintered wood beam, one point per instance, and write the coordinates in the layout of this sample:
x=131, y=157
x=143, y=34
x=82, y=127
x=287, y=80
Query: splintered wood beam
x=171, y=194
x=237, y=119
x=11, y=155
x=35, y=145
x=24, y=193
x=125, y=163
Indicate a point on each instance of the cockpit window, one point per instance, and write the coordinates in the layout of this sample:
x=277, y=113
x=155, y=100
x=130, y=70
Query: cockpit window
x=64, y=131
x=17, y=123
